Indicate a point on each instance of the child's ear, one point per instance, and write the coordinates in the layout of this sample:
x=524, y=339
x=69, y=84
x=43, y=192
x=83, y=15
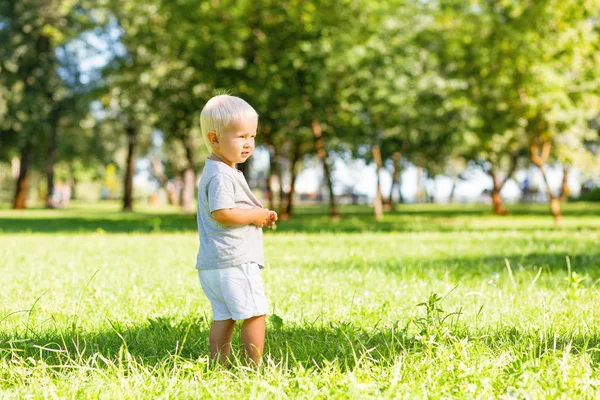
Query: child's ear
x=213, y=138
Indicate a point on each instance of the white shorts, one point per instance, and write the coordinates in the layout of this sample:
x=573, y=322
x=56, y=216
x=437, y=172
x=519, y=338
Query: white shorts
x=235, y=293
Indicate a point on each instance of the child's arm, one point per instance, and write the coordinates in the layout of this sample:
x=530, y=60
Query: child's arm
x=242, y=216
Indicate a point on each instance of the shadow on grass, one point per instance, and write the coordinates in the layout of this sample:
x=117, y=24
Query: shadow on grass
x=523, y=266
x=441, y=218
x=157, y=341
x=355, y=219
x=111, y=223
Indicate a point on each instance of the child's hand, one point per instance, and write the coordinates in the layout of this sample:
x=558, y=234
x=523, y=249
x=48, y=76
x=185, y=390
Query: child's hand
x=272, y=218
x=262, y=216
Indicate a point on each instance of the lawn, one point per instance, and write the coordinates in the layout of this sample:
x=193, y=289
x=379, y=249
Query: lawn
x=433, y=302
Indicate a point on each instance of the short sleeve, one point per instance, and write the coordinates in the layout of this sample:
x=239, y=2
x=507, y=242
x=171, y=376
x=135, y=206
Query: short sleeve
x=221, y=193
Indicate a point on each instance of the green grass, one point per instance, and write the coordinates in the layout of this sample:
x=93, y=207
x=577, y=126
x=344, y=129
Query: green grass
x=97, y=303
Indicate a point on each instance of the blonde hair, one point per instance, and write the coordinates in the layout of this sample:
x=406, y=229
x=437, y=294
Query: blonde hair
x=220, y=112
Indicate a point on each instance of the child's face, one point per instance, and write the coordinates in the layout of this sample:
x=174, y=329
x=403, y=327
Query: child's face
x=236, y=143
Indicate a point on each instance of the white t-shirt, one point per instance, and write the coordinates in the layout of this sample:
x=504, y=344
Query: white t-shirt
x=223, y=246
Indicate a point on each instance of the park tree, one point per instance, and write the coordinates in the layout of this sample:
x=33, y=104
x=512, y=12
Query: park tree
x=188, y=53
x=193, y=65
x=591, y=166
x=288, y=78
x=283, y=73
x=552, y=85
x=288, y=71
x=391, y=82
x=37, y=94
x=45, y=98
x=519, y=63
x=75, y=145
x=373, y=81
x=126, y=112
x=27, y=101
x=127, y=94
x=474, y=47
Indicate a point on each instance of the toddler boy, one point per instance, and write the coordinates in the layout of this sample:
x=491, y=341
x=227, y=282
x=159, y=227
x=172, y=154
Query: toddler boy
x=230, y=221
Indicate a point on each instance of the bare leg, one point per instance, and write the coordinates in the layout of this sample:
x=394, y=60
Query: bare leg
x=219, y=338
x=253, y=338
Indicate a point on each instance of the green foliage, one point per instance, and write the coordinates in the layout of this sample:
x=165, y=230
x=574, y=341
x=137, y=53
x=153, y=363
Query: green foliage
x=443, y=82
x=40, y=88
x=591, y=195
x=526, y=72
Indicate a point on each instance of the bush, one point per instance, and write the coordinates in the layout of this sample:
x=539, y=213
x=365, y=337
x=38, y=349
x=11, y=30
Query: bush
x=590, y=195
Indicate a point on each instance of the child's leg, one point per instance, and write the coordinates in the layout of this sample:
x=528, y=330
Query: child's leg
x=221, y=333
x=253, y=338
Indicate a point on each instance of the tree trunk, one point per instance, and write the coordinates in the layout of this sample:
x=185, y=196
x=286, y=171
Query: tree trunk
x=453, y=190
x=539, y=159
x=496, y=198
x=296, y=155
x=73, y=182
x=395, y=179
x=322, y=153
x=273, y=174
x=171, y=186
x=497, y=202
x=281, y=190
x=497, y=185
x=378, y=206
x=554, y=201
x=173, y=190
x=188, y=193
x=419, y=194
x=189, y=180
x=272, y=169
x=129, y=170
x=289, y=209
x=430, y=194
x=158, y=170
x=565, y=190
x=50, y=165
x=22, y=188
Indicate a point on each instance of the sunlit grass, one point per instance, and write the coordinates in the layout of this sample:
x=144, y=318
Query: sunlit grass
x=109, y=305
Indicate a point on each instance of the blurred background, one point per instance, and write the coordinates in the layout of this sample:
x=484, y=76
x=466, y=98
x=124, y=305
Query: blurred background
x=360, y=101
